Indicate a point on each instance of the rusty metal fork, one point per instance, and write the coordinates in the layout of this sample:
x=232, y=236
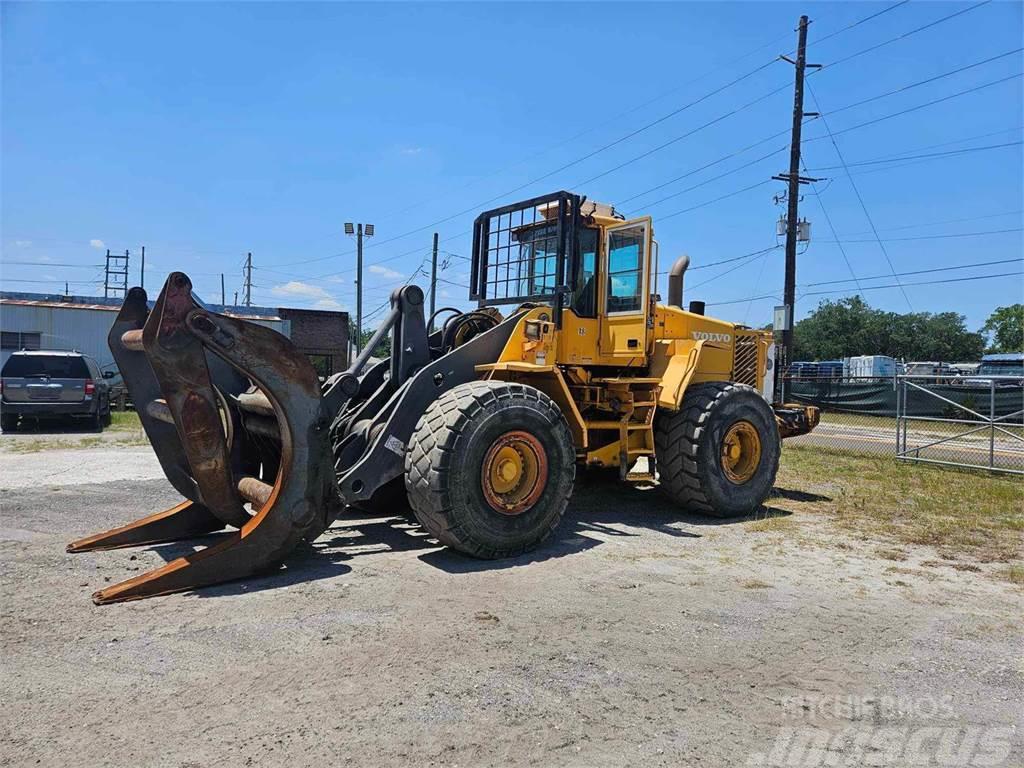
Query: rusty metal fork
x=171, y=369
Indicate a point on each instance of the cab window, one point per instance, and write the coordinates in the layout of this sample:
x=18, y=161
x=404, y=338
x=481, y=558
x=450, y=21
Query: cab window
x=626, y=268
x=584, y=296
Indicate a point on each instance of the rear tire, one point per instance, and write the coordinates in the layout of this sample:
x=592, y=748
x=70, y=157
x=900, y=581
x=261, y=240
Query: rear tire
x=456, y=446
x=691, y=446
x=8, y=422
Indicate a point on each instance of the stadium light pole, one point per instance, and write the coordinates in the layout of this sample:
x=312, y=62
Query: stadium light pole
x=359, y=230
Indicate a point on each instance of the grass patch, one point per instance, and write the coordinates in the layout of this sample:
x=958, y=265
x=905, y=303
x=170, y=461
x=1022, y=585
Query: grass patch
x=1015, y=574
x=773, y=523
x=58, y=444
x=755, y=584
x=124, y=421
x=960, y=513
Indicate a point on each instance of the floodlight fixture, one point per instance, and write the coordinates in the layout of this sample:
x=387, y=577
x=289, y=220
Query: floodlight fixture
x=350, y=228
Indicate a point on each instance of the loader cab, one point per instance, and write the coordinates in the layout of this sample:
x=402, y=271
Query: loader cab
x=593, y=267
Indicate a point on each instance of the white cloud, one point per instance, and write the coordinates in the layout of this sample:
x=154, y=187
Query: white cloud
x=411, y=150
x=331, y=304
x=376, y=269
x=445, y=294
x=297, y=289
x=22, y=243
x=97, y=243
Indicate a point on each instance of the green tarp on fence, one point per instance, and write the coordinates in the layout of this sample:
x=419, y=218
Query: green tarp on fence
x=879, y=398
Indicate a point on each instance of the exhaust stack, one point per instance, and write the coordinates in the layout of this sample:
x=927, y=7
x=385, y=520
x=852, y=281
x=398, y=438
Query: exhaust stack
x=675, y=281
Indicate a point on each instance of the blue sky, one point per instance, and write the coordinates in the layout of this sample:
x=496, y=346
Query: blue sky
x=204, y=131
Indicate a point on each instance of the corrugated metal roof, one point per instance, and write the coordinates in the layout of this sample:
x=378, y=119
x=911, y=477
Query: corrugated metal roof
x=114, y=305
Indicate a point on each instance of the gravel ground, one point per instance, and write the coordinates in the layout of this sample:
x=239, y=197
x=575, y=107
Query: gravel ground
x=638, y=636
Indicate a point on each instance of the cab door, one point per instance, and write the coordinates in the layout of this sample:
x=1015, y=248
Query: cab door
x=625, y=300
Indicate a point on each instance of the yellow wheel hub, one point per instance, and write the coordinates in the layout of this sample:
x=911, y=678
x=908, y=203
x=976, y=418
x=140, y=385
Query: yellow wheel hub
x=514, y=472
x=741, y=452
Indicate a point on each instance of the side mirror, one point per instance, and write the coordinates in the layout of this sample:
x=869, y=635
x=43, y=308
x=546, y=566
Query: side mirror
x=108, y=374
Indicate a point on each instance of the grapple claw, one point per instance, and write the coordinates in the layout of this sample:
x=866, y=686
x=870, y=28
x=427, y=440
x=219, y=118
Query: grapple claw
x=184, y=521
x=200, y=380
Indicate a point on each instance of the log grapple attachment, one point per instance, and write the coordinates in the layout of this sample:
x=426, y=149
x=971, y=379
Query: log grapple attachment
x=237, y=421
x=248, y=435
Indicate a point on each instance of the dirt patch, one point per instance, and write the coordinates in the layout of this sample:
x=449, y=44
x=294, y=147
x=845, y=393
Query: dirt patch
x=639, y=635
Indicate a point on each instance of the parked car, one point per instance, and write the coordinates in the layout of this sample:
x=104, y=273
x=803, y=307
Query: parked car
x=44, y=384
x=1006, y=370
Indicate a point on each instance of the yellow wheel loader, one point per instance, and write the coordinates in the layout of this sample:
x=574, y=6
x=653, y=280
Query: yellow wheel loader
x=475, y=427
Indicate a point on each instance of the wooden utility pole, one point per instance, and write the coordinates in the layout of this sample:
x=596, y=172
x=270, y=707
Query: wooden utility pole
x=433, y=281
x=248, y=280
x=223, y=296
x=142, y=269
x=785, y=357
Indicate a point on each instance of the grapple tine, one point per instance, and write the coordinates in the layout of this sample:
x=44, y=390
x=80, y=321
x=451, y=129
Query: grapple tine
x=303, y=497
x=183, y=521
x=179, y=362
x=125, y=342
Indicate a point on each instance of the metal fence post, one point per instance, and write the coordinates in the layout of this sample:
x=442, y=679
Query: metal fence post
x=896, y=385
x=992, y=424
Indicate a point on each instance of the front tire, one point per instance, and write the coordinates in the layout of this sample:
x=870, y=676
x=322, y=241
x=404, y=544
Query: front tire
x=490, y=468
x=8, y=422
x=719, y=454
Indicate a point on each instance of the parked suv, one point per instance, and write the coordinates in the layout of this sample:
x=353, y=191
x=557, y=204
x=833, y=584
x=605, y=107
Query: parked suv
x=51, y=384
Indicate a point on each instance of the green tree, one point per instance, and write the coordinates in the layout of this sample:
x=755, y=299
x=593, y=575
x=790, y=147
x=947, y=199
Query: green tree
x=850, y=327
x=383, y=349
x=1005, y=328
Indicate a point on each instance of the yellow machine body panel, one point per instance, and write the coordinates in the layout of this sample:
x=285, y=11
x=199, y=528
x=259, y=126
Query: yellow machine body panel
x=613, y=364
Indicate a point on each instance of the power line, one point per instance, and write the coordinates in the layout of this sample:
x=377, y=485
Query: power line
x=50, y=280
x=679, y=138
x=926, y=81
x=1015, y=129
x=901, y=286
x=933, y=237
x=603, y=148
x=857, y=23
x=924, y=271
x=872, y=288
x=705, y=167
x=591, y=128
x=715, y=200
x=891, y=115
x=856, y=191
x=50, y=264
x=965, y=150
x=831, y=226
x=727, y=261
x=763, y=252
x=715, y=178
x=562, y=167
x=905, y=35
x=946, y=221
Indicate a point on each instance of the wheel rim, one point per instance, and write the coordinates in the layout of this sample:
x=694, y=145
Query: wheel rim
x=741, y=452
x=514, y=472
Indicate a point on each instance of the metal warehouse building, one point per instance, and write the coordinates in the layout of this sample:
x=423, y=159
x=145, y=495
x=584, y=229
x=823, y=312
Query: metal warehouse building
x=45, y=321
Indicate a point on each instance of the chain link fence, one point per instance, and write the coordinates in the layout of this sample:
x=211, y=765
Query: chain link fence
x=963, y=421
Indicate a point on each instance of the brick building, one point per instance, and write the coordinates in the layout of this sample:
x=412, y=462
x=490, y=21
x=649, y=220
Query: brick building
x=321, y=335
